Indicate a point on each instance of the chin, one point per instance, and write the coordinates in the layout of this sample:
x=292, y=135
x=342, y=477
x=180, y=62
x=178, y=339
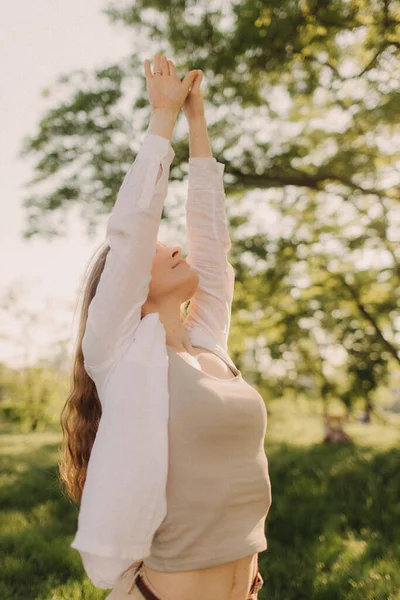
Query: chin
x=195, y=276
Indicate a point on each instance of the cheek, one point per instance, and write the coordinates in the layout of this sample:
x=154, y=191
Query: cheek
x=157, y=263
x=159, y=273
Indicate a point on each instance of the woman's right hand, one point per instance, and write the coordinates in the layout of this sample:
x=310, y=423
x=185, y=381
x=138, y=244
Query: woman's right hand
x=165, y=90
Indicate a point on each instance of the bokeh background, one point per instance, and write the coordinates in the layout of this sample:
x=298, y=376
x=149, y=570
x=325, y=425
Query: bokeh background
x=303, y=105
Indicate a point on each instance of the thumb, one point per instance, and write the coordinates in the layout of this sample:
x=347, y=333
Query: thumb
x=197, y=81
x=188, y=80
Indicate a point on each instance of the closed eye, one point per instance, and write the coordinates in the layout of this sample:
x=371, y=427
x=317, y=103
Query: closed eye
x=161, y=244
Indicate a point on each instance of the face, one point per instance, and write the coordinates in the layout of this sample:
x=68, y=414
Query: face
x=169, y=280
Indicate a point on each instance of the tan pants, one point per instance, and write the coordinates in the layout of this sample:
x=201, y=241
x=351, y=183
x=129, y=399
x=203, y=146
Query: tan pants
x=126, y=588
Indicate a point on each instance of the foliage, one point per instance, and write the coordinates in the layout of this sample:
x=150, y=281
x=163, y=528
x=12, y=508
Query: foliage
x=304, y=98
x=31, y=397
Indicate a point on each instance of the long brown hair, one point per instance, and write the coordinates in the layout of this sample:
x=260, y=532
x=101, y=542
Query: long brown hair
x=81, y=413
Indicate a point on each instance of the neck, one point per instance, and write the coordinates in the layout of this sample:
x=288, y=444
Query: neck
x=176, y=335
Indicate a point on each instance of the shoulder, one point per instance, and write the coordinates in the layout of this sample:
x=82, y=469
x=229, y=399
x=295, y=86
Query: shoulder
x=146, y=350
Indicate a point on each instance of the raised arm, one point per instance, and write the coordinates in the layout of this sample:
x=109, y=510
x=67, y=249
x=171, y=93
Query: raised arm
x=132, y=228
x=208, y=242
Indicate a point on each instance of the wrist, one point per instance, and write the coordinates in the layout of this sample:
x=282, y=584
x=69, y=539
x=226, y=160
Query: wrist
x=168, y=113
x=198, y=119
x=162, y=122
x=197, y=124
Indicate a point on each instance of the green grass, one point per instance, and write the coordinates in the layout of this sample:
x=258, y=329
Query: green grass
x=333, y=529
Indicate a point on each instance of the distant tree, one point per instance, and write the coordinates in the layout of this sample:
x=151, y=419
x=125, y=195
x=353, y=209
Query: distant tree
x=31, y=397
x=33, y=390
x=303, y=102
x=25, y=328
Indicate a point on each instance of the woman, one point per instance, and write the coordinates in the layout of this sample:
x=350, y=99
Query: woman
x=176, y=492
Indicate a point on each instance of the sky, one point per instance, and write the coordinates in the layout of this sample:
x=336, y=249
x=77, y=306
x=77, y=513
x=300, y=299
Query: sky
x=41, y=40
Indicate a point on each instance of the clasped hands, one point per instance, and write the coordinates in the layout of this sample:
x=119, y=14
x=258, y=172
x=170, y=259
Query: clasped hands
x=168, y=93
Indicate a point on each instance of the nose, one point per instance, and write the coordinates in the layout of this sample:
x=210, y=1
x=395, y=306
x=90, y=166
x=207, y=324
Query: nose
x=176, y=251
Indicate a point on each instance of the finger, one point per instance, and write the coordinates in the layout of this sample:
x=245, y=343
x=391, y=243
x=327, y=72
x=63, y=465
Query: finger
x=164, y=65
x=188, y=80
x=147, y=69
x=157, y=63
x=197, y=81
x=172, y=70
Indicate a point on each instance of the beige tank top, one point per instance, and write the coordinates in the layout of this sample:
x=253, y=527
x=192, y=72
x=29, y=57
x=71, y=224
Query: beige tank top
x=218, y=486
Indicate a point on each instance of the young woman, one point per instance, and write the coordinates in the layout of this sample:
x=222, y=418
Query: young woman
x=163, y=439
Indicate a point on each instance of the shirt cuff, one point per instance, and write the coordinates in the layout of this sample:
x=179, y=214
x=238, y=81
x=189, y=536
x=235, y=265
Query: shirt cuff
x=206, y=173
x=157, y=147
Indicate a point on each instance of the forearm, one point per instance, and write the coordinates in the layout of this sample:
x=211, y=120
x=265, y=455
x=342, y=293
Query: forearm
x=199, y=143
x=162, y=122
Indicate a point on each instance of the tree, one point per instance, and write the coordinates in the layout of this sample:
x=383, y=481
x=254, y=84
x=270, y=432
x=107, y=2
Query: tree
x=31, y=397
x=304, y=102
x=33, y=390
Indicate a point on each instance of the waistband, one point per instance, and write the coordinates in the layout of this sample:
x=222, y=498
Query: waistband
x=256, y=586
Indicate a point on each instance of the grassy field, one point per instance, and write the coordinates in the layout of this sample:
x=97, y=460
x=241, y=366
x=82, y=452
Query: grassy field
x=333, y=529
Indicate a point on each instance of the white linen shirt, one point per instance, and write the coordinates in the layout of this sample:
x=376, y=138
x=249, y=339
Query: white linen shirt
x=124, y=496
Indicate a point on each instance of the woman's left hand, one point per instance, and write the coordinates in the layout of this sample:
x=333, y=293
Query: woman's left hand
x=193, y=107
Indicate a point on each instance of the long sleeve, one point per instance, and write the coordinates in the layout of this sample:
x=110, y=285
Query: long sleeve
x=208, y=244
x=124, y=495
x=132, y=228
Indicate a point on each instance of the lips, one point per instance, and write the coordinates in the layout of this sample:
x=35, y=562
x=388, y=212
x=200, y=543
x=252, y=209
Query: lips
x=178, y=263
